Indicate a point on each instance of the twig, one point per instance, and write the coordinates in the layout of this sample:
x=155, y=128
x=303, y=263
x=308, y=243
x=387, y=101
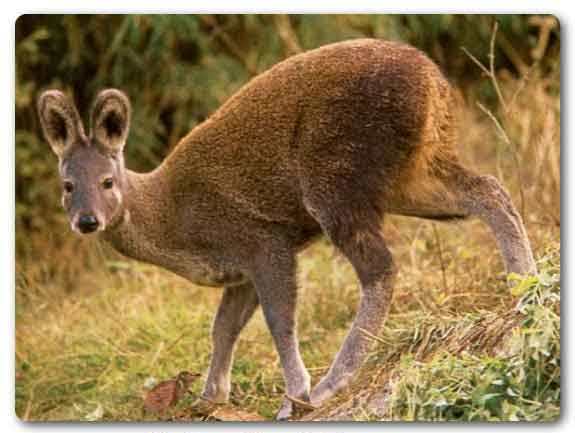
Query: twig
x=176, y=341
x=26, y=416
x=524, y=79
x=412, y=252
x=545, y=24
x=491, y=74
x=371, y=336
x=287, y=34
x=509, y=143
x=512, y=54
x=441, y=262
x=500, y=129
x=156, y=355
x=303, y=404
x=476, y=61
x=492, y=67
x=229, y=43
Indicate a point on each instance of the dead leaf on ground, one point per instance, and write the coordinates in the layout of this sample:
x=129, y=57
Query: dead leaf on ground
x=167, y=393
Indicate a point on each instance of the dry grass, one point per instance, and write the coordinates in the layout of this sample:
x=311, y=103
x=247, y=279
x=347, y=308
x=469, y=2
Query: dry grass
x=93, y=328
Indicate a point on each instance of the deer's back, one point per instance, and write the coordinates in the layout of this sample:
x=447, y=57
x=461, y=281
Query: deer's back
x=361, y=107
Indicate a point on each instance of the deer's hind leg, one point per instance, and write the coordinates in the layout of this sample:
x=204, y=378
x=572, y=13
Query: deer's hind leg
x=485, y=197
x=353, y=226
x=461, y=193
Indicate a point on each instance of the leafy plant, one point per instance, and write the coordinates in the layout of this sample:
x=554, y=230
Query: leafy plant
x=521, y=383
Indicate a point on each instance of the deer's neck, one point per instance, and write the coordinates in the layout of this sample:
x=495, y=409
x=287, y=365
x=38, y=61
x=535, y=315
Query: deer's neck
x=148, y=230
x=137, y=230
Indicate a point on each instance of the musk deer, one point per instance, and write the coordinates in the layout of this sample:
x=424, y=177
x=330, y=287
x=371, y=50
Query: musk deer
x=325, y=142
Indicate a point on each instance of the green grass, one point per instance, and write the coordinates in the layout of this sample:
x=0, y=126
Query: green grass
x=82, y=354
x=88, y=354
x=520, y=381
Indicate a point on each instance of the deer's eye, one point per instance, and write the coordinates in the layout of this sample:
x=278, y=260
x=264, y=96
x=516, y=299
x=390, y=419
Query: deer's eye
x=108, y=183
x=68, y=187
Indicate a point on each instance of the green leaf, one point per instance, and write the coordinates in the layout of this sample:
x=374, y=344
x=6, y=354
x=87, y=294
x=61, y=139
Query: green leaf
x=523, y=284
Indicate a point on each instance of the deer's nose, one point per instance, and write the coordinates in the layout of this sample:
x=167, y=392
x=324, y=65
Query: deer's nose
x=88, y=223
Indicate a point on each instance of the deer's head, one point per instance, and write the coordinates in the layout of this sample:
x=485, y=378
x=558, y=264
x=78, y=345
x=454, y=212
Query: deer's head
x=91, y=166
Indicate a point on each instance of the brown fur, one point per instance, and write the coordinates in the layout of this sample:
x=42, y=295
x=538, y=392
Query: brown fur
x=325, y=142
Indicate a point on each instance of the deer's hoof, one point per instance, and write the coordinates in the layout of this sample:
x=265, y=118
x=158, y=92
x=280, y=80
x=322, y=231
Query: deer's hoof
x=204, y=407
x=293, y=408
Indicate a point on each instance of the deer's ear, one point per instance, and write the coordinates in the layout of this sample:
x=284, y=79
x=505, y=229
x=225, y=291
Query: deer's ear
x=111, y=120
x=60, y=121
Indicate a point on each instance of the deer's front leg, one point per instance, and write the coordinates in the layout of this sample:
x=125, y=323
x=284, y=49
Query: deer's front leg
x=274, y=277
x=236, y=308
